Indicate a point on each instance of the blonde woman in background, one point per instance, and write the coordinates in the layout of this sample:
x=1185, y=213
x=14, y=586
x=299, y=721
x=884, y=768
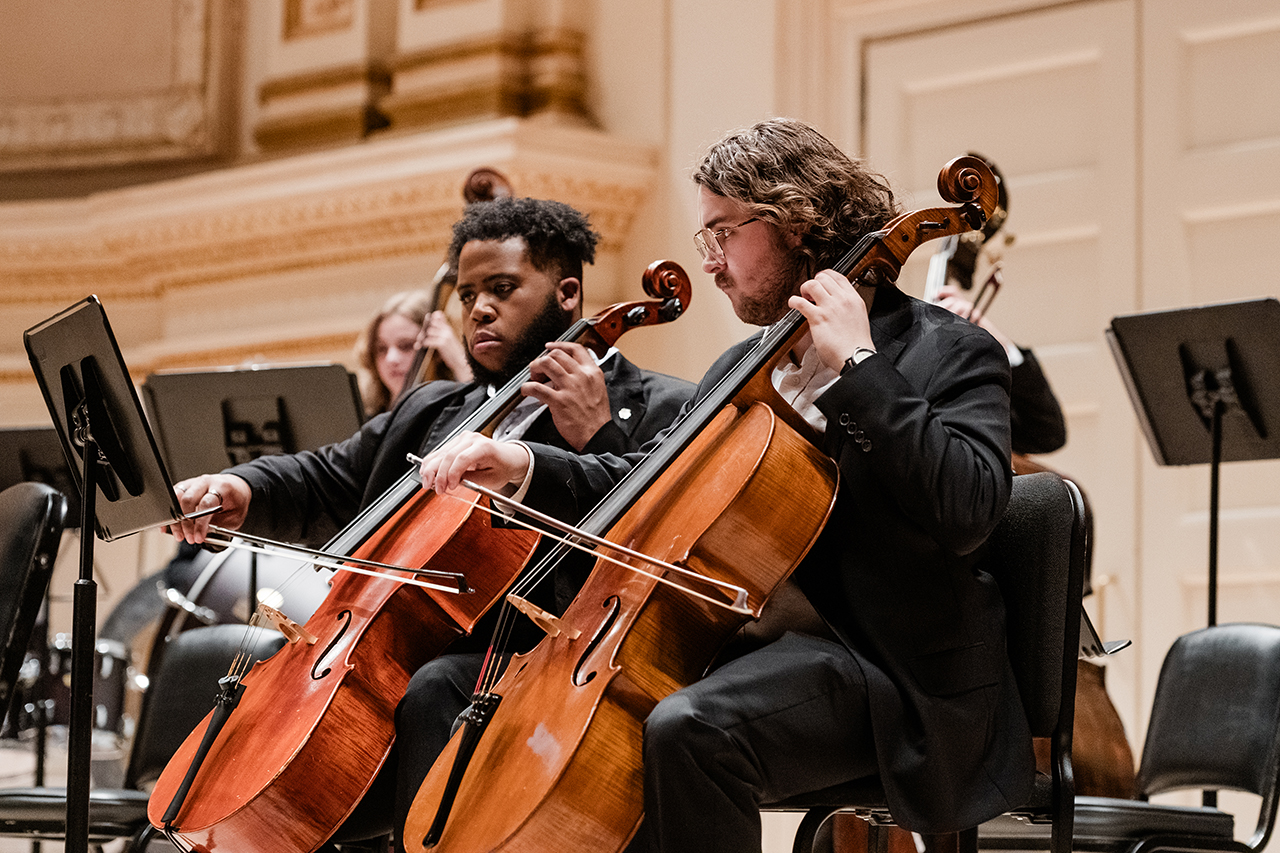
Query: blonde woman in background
x=385, y=350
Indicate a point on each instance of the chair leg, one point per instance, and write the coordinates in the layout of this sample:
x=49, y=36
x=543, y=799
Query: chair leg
x=138, y=843
x=807, y=832
x=946, y=842
x=877, y=838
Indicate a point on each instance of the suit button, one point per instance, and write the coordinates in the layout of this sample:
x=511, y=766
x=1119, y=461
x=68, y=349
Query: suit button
x=844, y=419
x=866, y=445
x=858, y=435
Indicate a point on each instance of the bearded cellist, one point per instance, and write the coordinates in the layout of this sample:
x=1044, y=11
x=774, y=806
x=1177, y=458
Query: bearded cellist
x=903, y=671
x=520, y=265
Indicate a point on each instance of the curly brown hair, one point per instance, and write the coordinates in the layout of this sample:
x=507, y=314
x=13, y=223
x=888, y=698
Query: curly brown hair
x=789, y=174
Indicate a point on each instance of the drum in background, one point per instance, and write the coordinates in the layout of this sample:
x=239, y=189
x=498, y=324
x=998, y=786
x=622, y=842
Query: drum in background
x=26, y=694
x=112, y=674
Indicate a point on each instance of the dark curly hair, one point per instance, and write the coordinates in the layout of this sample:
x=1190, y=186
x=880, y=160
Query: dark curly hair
x=559, y=238
x=789, y=174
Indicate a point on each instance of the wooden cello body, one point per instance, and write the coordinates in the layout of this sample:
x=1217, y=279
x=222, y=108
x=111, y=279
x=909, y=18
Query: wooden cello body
x=636, y=642
x=737, y=491
x=314, y=723
x=322, y=711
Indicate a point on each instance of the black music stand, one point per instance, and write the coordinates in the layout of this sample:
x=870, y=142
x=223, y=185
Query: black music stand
x=209, y=420
x=124, y=488
x=1203, y=383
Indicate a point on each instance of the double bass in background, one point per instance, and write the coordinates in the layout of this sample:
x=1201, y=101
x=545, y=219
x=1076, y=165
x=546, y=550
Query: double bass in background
x=737, y=493
x=964, y=276
x=307, y=731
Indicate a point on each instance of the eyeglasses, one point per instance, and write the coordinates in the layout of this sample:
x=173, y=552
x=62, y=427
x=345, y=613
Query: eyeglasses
x=708, y=241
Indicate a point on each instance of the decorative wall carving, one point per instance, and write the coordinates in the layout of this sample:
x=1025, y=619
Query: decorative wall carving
x=304, y=18
x=287, y=247
x=185, y=118
x=496, y=69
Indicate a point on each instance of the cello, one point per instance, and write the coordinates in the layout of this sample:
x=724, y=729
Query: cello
x=321, y=709
x=548, y=758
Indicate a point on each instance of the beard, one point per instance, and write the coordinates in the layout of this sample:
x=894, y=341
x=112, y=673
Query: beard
x=550, y=323
x=769, y=305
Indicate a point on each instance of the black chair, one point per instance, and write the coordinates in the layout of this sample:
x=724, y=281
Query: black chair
x=1215, y=724
x=181, y=693
x=32, y=516
x=1038, y=555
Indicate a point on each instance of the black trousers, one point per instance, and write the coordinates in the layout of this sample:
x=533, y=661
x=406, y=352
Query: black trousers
x=436, y=695
x=781, y=720
x=784, y=719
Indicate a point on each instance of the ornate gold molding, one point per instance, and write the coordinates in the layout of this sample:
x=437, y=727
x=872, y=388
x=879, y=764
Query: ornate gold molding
x=505, y=75
x=268, y=261
x=304, y=18
x=184, y=119
x=322, y=107
x=323, y=78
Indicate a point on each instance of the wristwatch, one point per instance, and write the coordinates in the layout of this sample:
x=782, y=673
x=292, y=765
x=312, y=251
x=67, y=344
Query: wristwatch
x=859, y=355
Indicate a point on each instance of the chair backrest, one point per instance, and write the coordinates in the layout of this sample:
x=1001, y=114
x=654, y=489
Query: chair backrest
x=32, y=516
x=184, y=689
x=1215, y=719
x=1038, y=554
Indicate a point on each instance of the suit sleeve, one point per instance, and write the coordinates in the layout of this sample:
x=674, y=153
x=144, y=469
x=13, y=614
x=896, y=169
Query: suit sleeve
x=1036, y=416
x=568, y=485
x=660, y=397
x=929, y=433
x=312, y=495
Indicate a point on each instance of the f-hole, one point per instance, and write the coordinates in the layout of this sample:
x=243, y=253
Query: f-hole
x=613, y=605
x=345, y=618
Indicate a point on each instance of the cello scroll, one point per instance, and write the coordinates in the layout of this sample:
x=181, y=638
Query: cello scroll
x=667, y=283
x=965, y=181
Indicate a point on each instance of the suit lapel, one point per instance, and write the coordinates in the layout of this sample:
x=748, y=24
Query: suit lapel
x=452, y=415
x=890, y=318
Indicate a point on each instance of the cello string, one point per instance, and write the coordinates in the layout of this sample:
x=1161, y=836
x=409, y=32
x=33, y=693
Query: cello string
x=507, y=617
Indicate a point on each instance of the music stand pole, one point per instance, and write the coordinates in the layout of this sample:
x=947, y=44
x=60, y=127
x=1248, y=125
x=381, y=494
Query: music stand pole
x=1215, y=465
x=84, y=629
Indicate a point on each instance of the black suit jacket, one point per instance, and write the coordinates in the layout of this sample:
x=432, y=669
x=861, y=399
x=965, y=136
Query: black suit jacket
x=1036, y=416
x=920, y=433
